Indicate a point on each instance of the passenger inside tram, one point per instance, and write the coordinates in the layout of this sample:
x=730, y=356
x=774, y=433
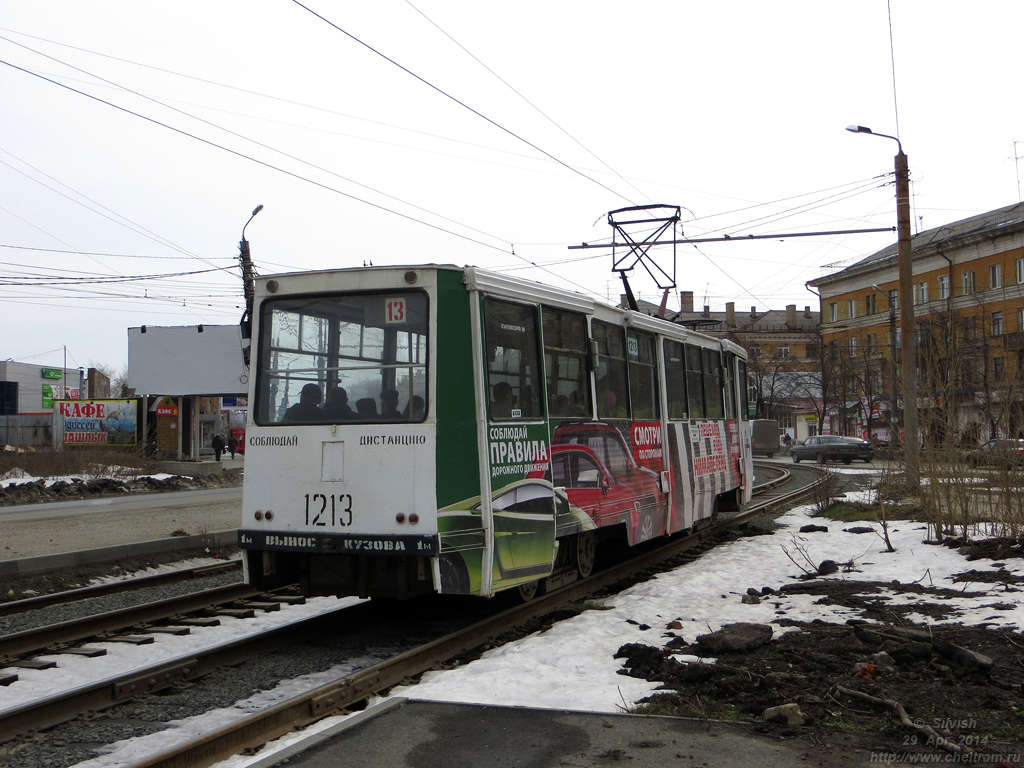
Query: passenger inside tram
x=389, y=405
x=337, y=408
x=414, y=409
x=308, y=407
x=367, y=408
x=503, y=401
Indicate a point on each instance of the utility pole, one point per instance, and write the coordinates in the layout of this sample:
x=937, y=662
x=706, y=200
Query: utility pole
x=904, y=258
x=906, y=272
x=248, y=287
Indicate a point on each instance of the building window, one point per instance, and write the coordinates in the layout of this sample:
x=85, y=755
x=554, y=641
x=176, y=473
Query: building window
x=872, y=343
x=997, y=323
x=995, y=276
x=899, y=338
x=1020, y=319
x=833, y=312
x=755, y=352
x=1020, y=270
x=811, y=351
x=943, y=286
x=894, y=300
x=921, y=292
x=998, y=368
x=851, y=308
x=870, y=304
x=783, y=352
x=966, y=283
x=853, y=346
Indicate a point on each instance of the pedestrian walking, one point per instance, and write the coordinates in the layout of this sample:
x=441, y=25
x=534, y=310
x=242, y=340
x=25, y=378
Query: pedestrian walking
x=232, y=446
x=218, y=446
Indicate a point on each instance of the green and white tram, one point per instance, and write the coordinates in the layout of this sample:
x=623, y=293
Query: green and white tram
x=442, y=429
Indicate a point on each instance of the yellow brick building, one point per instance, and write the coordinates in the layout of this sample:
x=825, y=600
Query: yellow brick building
x=968, y=298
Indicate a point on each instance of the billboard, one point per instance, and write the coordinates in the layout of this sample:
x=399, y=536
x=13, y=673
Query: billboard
x=98, y=422
x=187, y=360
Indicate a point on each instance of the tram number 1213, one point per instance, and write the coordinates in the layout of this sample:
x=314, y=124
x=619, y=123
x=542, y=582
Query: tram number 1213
x=340, y=509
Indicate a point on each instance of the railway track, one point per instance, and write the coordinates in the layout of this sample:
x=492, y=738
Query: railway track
x=238, y=600
x=123, y=585
x=345, y=693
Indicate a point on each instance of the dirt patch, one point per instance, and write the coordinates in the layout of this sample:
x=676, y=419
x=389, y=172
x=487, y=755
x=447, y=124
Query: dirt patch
x=37, y=492
x=998, y=548
x=965, y=683
x=873, y=598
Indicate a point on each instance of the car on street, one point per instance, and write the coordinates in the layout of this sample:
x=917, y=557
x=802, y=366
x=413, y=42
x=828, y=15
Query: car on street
x=998, y=453
x=822, y=448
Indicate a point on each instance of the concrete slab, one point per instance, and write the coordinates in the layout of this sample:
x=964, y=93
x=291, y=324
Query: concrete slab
x=421, y=734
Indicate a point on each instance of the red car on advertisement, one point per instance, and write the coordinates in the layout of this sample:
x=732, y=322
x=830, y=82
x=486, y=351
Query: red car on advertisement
x=594, y=464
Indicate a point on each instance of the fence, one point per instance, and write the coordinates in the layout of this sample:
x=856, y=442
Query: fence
x=34, y=430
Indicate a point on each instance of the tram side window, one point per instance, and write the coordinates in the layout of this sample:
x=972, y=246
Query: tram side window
x=675, y=379
x=612, y=399
x=730, y=386
x=565, y=363
x=343, y=358
x=512, y=372
x=643, y=383
x=745, y=391
x=694, y=382
x=713, y=407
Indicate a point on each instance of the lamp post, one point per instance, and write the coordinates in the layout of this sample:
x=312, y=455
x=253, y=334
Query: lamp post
x=906, y=292
x=248, y=286
x=243, y=258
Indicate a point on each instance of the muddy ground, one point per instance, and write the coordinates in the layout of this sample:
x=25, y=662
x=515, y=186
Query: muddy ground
x=38, y=492
x=962, y=688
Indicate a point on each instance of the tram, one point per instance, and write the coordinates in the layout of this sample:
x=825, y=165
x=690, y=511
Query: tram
x=442, y=429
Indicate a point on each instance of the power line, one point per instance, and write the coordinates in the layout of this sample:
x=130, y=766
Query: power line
x=463, y=104
x=291, y=174
x=104, y=253
x=254, y=141
x=244, y=156
x=518, y=93
x=260, y=94
x=61, y=280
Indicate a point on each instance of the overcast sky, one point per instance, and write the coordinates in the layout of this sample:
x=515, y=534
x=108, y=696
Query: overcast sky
x=734, y=110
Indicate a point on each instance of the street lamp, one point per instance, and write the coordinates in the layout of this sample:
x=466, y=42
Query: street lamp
x=906, y=274
x=248, y=285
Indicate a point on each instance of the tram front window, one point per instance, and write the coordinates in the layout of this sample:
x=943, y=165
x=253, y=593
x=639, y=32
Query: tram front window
x=343, y=358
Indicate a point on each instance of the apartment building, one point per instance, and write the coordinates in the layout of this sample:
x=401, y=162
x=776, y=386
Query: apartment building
x=968, y=298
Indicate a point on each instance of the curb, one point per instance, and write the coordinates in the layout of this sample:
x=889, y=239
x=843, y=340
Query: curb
x=29, y=566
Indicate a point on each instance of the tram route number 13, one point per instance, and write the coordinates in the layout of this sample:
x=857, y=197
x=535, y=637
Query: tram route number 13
x=394, y=311
x=329, y=509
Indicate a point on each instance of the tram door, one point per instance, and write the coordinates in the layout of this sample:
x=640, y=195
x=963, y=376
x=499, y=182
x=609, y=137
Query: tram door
x=518, y=448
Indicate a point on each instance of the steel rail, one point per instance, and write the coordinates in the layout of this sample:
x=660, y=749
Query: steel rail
x=111, y=587
x=341, y=694
x=20, y=644
x=45, y=713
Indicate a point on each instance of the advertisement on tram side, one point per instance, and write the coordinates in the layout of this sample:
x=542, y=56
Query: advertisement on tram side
x=610, y=469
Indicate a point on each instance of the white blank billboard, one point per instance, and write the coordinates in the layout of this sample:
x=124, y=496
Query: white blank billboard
x=181, y=360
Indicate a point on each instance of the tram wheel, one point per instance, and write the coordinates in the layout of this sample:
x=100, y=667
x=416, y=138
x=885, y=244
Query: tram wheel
x=454, y=577
x=586, y=553
x=530, y=590
x=645, y=530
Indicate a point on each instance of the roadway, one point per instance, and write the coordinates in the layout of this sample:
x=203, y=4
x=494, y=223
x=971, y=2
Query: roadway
x=66, y=526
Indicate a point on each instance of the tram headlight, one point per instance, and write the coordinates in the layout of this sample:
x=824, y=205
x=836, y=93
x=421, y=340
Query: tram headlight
x=259, y=514
x=268, y=515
